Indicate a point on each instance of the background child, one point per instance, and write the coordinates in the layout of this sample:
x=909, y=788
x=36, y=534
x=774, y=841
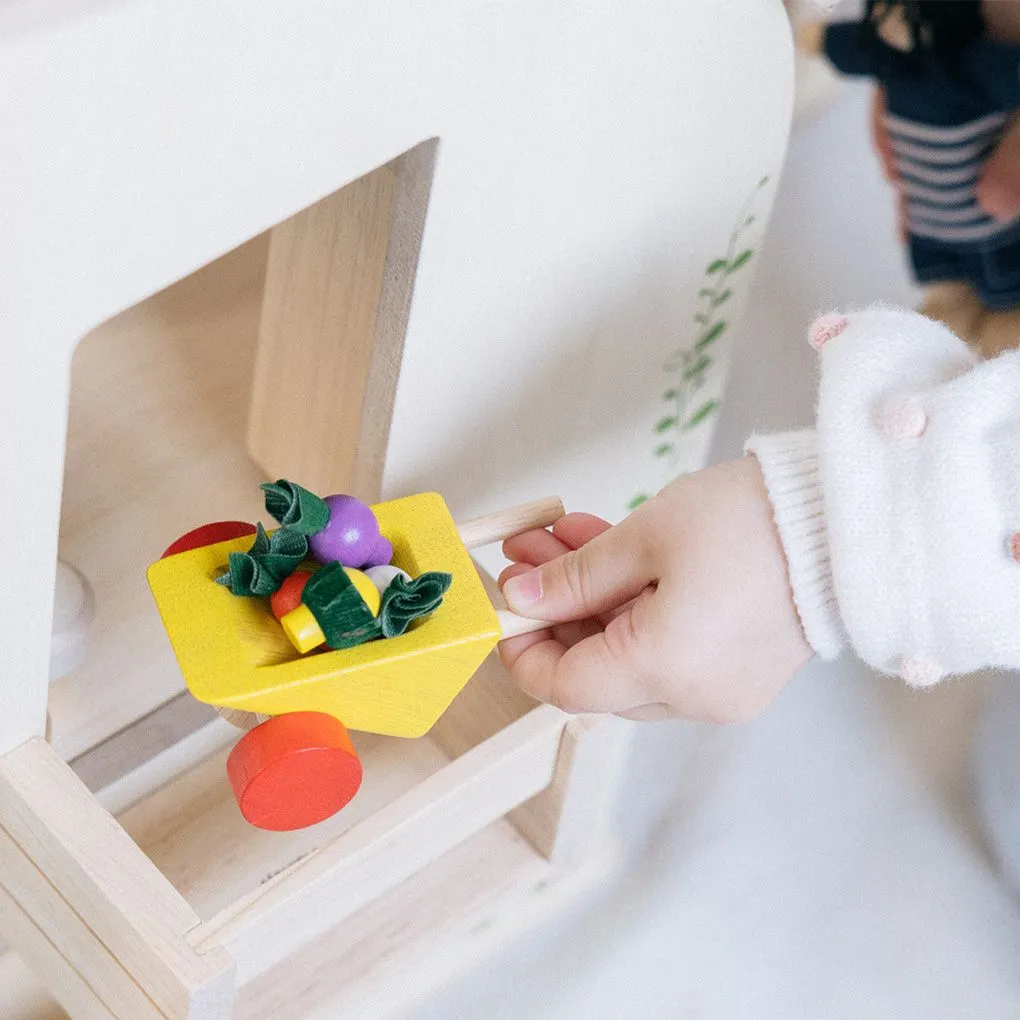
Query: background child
x=948, y=91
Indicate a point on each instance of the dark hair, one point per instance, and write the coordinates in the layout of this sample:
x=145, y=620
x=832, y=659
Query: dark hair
x=940, y=27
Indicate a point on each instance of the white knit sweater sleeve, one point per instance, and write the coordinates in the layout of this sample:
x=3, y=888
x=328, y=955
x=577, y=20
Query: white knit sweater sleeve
x=789, y=464
x=900, y=513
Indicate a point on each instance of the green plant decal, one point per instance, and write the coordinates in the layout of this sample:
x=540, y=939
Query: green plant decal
x=688, y=366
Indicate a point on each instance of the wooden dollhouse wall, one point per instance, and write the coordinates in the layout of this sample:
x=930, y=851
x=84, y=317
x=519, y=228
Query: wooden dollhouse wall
x=598, y=193
x=566, y=334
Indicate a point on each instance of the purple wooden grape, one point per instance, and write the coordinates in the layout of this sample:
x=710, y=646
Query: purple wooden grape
x=382, y=554
x=351, y=535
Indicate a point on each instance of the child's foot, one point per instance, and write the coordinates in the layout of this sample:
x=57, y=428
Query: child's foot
x=998, y=332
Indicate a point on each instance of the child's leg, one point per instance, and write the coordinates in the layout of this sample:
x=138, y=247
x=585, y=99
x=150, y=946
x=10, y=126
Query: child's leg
x=998, y=271
x=998, y=332
x=945, y=273
x=955, y=303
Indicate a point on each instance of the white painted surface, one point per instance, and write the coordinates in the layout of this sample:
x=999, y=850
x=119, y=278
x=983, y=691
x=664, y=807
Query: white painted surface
x=592, y=156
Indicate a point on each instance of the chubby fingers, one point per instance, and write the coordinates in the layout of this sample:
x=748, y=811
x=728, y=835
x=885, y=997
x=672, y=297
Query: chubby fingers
x=609, y=570
x=604, y=671
x=578, y=529
x=532, y=548
x=581, y=666
x=567, y=633
x=539, y=546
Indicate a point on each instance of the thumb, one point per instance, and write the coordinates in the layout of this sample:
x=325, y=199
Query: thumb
x=605, y=573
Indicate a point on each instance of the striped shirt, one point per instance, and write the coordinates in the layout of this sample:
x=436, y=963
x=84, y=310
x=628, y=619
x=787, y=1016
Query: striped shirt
x=944, y=121
x=939, y=169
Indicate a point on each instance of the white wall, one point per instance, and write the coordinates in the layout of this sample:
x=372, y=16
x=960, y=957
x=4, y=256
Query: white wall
x=593, y=159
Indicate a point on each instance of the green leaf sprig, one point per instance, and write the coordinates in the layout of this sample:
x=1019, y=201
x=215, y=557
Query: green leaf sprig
x=267, y=564
x=405, y=601
x=295, y=508
x=690, y=364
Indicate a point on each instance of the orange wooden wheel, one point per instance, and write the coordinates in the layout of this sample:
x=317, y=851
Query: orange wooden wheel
x=209, y=534
x=294, y=770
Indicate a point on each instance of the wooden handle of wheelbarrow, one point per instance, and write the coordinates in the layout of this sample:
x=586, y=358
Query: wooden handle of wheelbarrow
x=511, y=625
x=504, y=524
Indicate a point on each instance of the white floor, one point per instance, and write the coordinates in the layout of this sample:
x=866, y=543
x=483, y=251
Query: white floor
x=824, y=861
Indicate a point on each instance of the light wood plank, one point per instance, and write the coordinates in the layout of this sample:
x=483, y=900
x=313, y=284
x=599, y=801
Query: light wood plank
x=115, y=889
x=568, y=820
x=21, y=988
x=317, y=339
x=137, y=746
x=413, y=173
x=395, y=842
x=70, y=937
x=392, y=954
x=191, y=830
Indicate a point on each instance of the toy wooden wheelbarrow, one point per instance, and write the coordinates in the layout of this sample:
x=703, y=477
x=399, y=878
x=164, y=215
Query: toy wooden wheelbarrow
x=296, y=765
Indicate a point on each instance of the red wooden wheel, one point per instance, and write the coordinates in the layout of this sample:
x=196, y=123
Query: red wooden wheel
x=209, y=534
x=294, y=770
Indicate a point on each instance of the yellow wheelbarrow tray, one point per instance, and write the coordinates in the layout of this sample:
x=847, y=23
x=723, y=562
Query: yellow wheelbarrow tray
x=234, y=654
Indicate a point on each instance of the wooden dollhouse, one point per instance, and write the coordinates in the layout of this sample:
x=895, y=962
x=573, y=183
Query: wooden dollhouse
x=382, y=249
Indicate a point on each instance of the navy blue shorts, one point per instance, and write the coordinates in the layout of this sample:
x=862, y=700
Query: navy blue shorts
x=993, y=270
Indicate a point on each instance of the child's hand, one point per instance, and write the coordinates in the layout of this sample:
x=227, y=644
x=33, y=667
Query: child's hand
x=998, y=187
x=683, y=609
